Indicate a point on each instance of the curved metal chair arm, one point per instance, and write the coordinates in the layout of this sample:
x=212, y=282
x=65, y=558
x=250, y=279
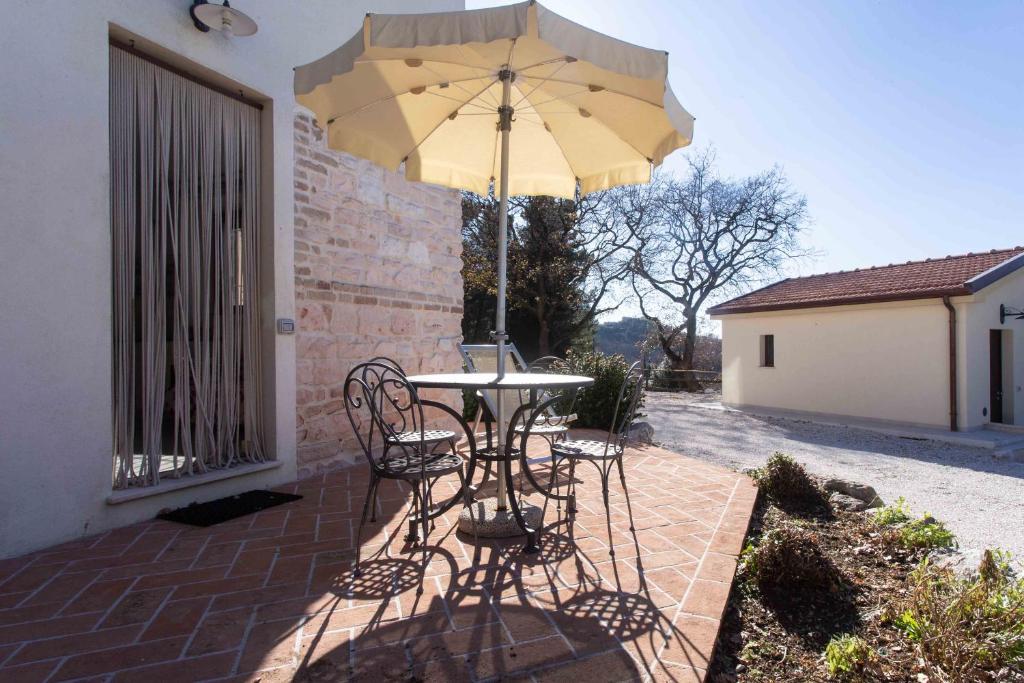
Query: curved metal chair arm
x=524, y=463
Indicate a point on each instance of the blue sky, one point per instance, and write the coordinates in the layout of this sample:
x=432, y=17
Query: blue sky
x=902, y=122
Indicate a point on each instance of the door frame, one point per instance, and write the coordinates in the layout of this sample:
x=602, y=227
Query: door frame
x=996, y=390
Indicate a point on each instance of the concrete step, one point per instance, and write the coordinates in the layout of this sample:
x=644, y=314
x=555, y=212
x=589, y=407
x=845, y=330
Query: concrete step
x=1010, y=450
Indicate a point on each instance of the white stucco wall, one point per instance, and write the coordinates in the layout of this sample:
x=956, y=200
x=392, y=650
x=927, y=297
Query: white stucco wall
x=55, y=413
x=878, y=362
x=981, y=315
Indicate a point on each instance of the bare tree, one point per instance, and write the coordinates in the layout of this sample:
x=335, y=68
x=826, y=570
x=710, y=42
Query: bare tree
x=702, y=237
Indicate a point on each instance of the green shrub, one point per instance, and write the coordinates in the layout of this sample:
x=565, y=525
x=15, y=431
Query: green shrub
x=925, y=533
x=966, y=628
x=470, y=403
x=595, y=405
x=847, y=655
x=785, y=482
x=789, y=558
x=897, y=513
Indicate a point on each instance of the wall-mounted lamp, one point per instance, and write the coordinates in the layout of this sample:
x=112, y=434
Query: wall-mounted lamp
x=223, y=18
x=1008, y=312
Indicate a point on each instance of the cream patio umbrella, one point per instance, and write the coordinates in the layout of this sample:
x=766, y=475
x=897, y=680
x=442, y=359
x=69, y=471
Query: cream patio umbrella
x=516, y=96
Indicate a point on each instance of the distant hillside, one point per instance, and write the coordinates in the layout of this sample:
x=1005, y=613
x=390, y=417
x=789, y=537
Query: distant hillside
x=623, y=337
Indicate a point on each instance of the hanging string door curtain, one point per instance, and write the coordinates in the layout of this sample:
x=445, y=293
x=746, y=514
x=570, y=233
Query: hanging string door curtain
x=184, y=164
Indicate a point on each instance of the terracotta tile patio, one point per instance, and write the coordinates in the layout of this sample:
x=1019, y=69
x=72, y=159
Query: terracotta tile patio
x=271, y=596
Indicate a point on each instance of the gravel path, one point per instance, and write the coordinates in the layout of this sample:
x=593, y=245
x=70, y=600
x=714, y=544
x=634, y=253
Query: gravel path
x=979, y=497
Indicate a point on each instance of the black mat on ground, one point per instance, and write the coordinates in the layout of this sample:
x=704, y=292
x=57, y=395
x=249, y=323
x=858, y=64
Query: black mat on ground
x=224, y=509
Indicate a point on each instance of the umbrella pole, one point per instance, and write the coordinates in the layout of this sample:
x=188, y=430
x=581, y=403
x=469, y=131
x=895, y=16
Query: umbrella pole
x=500, y=336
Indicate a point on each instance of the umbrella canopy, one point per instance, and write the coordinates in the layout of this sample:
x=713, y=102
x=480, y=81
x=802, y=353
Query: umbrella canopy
x=441, y=93
x=588, y=111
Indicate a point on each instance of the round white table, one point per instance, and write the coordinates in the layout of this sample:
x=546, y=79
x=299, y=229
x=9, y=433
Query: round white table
x=489, y=380
x=534, y=382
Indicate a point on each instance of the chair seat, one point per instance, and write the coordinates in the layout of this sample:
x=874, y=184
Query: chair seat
x=408, y=466
x=585, y=450
x=544, y=429
x=430, y=436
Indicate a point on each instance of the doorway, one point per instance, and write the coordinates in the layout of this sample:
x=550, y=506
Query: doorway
x=184, y=162
x=999, y=367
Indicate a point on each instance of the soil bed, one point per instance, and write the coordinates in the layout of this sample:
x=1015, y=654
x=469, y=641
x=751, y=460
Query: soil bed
x=781, y=635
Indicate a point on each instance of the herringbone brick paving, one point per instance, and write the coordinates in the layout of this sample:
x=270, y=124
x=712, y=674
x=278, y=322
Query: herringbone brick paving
x=272, y=597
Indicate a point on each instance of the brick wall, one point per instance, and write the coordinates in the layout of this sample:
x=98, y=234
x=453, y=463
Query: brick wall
x=377, y=272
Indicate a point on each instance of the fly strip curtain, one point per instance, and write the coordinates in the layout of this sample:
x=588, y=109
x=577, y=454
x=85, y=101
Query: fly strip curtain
x=184, y=164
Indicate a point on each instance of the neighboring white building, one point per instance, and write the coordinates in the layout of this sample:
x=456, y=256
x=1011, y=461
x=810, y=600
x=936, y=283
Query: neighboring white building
x=305, y=238
x=921, y=343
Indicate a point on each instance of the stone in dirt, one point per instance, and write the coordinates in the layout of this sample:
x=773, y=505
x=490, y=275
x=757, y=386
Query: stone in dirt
x=845, y=502
x=861, y=492
x=641, y=432
x=963, y=563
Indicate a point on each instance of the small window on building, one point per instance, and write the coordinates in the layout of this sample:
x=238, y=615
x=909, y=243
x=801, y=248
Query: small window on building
x=767, y=350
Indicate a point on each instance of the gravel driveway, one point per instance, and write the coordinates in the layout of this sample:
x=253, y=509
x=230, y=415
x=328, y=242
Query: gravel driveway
x=979, y=497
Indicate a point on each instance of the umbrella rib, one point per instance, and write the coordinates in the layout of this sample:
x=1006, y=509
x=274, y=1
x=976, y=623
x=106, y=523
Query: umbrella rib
x=390, y=97
x=467, y=103
x=441, y=122
x=540, y=83
x=462, y=65
x=556, y=99
x=457, y=85
x=604, y=125
x=555, y=60
x=607, y=90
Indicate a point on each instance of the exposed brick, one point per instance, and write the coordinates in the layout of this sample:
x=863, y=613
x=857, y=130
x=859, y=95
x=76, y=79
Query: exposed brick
x=369, y=246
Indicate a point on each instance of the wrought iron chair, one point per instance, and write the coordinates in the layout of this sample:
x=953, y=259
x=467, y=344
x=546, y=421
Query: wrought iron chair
x=608, y=453
x=380, y=402
x=410, y=432
x=552, y=425
x=483, y=358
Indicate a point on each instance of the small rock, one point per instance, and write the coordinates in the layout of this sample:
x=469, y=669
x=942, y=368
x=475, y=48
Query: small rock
x=641, y=432
x=861, y=492
x=963, y=563
x=740, y=668
x=845, y=502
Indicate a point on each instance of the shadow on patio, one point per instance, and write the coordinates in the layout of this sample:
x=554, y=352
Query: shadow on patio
x=272, y=597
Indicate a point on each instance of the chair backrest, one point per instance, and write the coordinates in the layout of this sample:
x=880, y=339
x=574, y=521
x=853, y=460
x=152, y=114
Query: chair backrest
x=553, y=365
x=484, y=358
x=388, y=361
x=380, y=404
x=626, y=405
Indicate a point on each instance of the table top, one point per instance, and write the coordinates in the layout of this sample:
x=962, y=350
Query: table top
x=489, y=380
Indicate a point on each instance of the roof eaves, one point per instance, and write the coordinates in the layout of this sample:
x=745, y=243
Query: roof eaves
x=722, y=309
x=996, y=273
x=711, y=311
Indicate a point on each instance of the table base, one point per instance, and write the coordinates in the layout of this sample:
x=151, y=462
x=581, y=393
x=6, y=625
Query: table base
x=494, y=523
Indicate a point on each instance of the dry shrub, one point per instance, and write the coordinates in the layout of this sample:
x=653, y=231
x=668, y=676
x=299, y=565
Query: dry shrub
x=786, y=483
x=966, y=629
x=788, y=558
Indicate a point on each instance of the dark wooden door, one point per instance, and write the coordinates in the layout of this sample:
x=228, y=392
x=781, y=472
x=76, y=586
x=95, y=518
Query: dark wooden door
x=995, y=377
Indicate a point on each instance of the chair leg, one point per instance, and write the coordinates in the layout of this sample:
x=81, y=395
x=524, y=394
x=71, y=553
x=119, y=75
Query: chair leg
x=606, y=471
x=370, y=493
x=553, y=484
x=425, y=519
x=375, y=488
x=570, y=505
x=467, y=498
x=417, y=506
x=625, y=490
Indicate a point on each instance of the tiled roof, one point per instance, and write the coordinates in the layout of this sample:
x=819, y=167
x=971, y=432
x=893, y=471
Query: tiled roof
x=949, y=276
